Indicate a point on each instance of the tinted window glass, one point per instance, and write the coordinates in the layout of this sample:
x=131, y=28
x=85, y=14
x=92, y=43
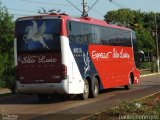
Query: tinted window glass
x=88, y=33
x=115, y=37
x=80, y=32
x=135, y=48
x=38, y=35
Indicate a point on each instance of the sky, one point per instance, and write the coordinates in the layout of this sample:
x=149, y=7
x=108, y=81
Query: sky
x=20, y=8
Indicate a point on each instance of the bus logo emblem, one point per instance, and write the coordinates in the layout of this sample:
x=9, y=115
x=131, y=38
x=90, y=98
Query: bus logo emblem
x=37, y=34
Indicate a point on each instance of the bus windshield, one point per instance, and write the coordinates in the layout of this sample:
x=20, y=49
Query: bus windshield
x=38, y=35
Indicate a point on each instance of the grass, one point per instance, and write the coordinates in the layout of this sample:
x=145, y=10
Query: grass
x=145, y=109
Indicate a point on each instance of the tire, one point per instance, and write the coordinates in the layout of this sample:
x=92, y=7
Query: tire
x=129, y=86
x=85, y=93
x=95, y=88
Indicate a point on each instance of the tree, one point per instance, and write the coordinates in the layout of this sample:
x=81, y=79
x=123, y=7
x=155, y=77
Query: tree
x=123, y=17
x=151, y=20
x=145, y=41
x=6, y=49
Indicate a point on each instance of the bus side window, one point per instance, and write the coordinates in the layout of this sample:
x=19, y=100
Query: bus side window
x=96, y=34
x=74, y=32
x=69, y=30
x=70, y=26
x=104, y=35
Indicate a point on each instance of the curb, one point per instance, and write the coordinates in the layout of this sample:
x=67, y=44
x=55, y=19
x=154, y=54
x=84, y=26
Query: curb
x=148, y=96
x=149, y=74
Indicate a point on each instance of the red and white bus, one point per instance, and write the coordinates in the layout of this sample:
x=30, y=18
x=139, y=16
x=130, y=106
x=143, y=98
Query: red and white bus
x=58, y=53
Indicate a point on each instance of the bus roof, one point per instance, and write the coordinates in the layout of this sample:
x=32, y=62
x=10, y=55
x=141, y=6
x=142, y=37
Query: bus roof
x=99, y=22
x=88, y=20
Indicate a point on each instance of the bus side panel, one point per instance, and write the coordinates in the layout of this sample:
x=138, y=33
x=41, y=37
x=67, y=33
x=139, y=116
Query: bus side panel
x=84, y=62
x=112, y=63
x=76, y=83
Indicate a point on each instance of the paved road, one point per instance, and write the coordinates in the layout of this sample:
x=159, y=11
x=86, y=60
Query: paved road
x=29, y=107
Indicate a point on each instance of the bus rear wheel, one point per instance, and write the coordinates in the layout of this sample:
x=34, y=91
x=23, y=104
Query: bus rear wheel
x=95, y=88
x=129, y=86
x=85, y=93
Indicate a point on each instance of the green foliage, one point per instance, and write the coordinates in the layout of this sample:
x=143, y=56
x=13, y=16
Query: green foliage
x=148, y=106
x=127, y=107
x=6, y=49
x=122, y=17
x=145, y=41
x=145, y=65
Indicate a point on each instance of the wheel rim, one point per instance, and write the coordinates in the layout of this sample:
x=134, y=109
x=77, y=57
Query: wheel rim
x=130, y=81
x=86, y=89
x=96, y=89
